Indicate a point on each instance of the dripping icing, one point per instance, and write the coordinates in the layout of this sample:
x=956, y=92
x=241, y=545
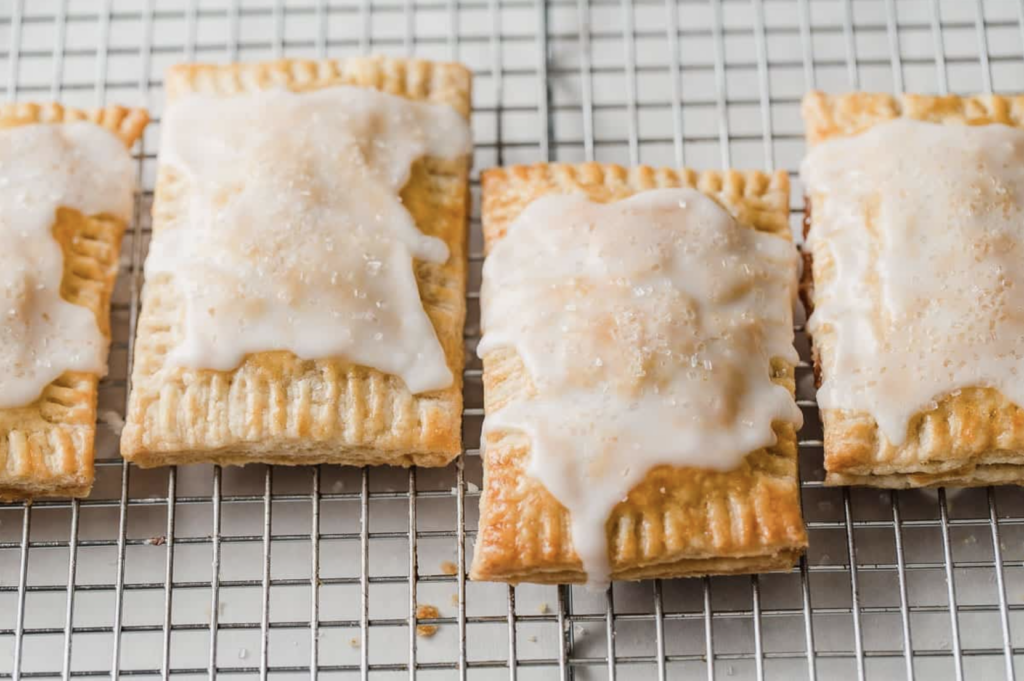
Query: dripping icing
x=647, y=326
x=43, y=168
x=294, y=236
x=924, y=226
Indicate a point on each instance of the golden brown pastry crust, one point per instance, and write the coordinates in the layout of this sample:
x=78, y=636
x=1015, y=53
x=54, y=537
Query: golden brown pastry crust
x=678, y=521
x=974, y=438
x=276, y=408
x=46, y=448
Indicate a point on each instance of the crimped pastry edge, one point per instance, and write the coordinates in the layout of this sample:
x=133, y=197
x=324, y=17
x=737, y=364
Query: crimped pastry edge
x=127, y=123
x=827, y=116
x=418, y=79
x=753, y=197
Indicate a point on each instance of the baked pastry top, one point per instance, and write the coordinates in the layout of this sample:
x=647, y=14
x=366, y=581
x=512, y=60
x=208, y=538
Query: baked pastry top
x=676, y=520
x=941, y=229
x=47, y=445
x=275, y=407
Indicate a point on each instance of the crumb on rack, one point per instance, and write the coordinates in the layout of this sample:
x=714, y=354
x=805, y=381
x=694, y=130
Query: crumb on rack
x=113, y=420
x=449, y=568
x=354, y=642
x=543, y=608
x=455, y=600
x=156, y=541
x=426, y=612
x=222, y=606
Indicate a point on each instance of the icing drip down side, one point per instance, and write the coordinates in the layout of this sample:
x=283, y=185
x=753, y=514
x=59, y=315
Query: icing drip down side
x=648, y=327
x=295, y=237
x=923, y=230
x=44, y=167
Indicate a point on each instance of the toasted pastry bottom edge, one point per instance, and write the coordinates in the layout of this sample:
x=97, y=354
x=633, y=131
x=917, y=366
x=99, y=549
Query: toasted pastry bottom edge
x=972, y=475
x=778, y=561
x=286, y=454
x=75, y=490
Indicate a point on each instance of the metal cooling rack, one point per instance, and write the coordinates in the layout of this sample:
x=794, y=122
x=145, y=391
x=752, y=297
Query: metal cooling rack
x=197, y=572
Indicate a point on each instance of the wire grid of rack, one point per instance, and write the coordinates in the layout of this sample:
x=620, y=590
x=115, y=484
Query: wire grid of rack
x=198, y=571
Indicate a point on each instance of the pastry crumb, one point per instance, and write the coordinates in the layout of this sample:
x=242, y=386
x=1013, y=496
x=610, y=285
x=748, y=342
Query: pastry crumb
x=155, y=541
x=472, y=488
x=353, y=642
x=543, y=608
x=531, y=639
x=221, y=607
x=449, y=568
x=455, y=600
x=112, y=420
x=425, y=612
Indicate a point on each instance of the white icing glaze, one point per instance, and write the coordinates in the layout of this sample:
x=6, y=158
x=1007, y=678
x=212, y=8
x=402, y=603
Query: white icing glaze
x=295, y=237
x=79, y=166
x=647, y=326
x=924, y=225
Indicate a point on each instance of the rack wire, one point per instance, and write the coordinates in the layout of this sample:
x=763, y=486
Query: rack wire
x=293, y=573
